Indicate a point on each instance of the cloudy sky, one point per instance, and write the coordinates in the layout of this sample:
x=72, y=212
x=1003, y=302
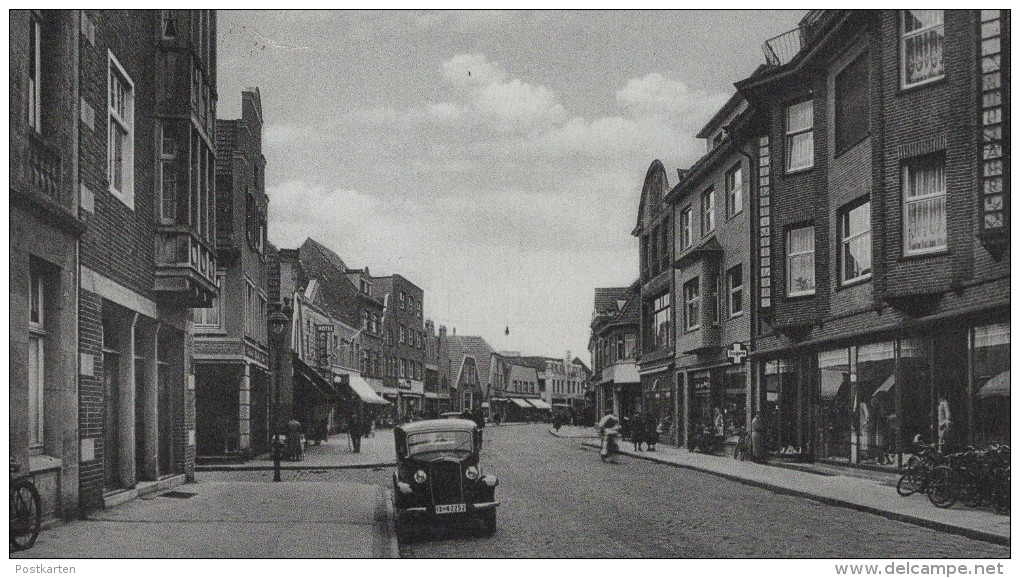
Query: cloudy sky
x=495, y=159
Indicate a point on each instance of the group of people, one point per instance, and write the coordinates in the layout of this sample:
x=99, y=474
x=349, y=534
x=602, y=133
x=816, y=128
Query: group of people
x=643, y=428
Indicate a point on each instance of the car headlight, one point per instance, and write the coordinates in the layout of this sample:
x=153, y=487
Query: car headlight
x=420, y=476
x=471, y=473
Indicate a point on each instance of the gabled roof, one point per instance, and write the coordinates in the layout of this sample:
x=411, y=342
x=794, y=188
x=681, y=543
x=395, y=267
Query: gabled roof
x=653, y=191
x=727, y=109
x=319, y=262
x=607, y=298
x=461, y=346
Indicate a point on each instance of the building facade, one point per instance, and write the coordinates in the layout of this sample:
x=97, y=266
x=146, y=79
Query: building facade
x=468, y=369
x=613, y=346
x=657, y=335
x=884, y=299
x=46, y=220
x=232, y=383
x=712, y=247
x=403, y=333
x=516, y=393
x=146, y=156
x=437, y=391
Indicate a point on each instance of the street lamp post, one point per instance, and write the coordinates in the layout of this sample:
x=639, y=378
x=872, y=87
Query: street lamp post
x=277, y=322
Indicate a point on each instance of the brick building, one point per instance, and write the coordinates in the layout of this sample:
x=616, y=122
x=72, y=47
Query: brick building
x=613, y=346
x=516, y=388
x=657, y=335
x=403, y=336
x=45, y=223
x=232, y=382
x=712, y=240
x=882, y=204
x=437, y=389
x=146, y=150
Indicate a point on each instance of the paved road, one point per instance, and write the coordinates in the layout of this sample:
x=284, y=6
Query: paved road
x=561, y=501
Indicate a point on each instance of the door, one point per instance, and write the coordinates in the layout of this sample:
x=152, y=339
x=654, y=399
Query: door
x=111, y=422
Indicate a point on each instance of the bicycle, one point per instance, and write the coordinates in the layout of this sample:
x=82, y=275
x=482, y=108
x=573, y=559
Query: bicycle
x=743, y=451
x=26, y=508
x=917, y=471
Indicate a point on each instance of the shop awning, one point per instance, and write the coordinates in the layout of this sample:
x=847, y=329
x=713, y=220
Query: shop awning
x=313, y=384
x=361, y=388
x=997, y=386
x=520, y=402
x=886, y=386
x=832, y=379
x=539, y=404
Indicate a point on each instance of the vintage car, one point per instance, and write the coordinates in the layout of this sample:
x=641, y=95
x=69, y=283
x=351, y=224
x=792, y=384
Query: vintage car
x=438, y=476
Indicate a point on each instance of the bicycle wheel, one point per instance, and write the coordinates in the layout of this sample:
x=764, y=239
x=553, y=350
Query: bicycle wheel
x=941, y=487
x=912, y=480
x=26, y=514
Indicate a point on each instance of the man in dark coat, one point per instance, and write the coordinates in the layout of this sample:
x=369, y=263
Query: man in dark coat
x=355, y=429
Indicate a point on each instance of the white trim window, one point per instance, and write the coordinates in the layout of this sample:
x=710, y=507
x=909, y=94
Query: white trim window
x=686, y=235
x=924, y=205
x=800, y=261
x=735, y=291
x=120, y=150
x=708, y=211
x=800, y=136
x=692, y=304
x=35, y=73
x=922, y=37
x=36, y=360
x=734, y=191
x=855, y=243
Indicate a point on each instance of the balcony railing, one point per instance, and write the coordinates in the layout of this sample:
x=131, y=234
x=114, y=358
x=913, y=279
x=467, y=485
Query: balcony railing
x=781, y=49
x=43, y=167
x=185, y=267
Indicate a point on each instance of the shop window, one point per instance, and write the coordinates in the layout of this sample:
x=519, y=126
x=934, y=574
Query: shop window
x=692, y=304
x=735, y=291
x=924, y=205
x=800, y=261
x=707, y=212
x=120, y=133
x=800, y=136
x=922, y=36
x=734, y=191
x=835, y=403
x=855, y=244
x=852, y=104
x=991, y=402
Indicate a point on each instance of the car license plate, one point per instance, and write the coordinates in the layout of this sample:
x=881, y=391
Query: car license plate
x=451, y=509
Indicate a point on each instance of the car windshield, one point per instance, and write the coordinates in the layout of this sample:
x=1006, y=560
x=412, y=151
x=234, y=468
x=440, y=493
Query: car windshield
x=439, y=441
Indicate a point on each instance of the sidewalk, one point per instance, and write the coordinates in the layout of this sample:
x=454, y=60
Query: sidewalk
x=234, y=520
x=335, y=453
x=866, y=493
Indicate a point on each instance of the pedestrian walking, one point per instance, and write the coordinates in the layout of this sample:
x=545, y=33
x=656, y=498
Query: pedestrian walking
x=758, y=437
x=651, y=431
x=354, y=428
x=637, y=431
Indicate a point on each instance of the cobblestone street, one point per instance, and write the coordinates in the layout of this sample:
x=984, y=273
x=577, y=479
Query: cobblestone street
x=561, y=501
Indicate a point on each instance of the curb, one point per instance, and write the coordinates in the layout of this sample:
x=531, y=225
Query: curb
x=385, y=544
x=261, y=468
x=562, y=437
x=906, y=518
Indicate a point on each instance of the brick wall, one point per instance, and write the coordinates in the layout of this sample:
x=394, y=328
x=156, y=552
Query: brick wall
x=91, y=407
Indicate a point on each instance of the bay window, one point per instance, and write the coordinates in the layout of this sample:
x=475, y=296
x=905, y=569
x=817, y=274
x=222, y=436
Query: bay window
x=800, y=261
x=692, y=304
x=924, y=205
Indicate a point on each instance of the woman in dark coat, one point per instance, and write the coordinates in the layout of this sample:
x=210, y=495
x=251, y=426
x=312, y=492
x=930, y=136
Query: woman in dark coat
x=651, y=432
x=637, y=431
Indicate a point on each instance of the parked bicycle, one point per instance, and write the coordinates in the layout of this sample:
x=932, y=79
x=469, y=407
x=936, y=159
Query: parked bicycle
x=917, y=470
x=974, y=478
x=26, y=508
x=744, y=450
